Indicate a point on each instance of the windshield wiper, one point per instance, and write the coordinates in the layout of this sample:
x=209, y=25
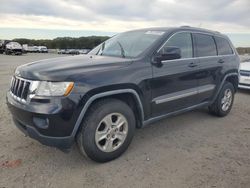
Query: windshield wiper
x=122, y=49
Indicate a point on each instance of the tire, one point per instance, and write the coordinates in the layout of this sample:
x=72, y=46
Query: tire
x=226, y=95
x=7, y=52
x=114, y=140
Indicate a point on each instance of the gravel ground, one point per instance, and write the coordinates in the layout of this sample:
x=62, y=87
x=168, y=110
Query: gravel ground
x=192, y=150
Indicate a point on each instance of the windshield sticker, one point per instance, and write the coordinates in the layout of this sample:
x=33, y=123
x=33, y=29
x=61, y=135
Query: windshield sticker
x=154, y=32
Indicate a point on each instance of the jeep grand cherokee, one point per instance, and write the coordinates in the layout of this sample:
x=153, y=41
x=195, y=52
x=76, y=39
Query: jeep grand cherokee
x=127, y=82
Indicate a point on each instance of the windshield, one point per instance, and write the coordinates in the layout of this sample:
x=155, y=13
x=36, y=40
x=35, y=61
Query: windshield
x=127, y=45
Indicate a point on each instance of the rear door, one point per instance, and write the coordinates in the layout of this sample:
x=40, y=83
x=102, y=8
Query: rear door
x=210, y=66
x=225, y=53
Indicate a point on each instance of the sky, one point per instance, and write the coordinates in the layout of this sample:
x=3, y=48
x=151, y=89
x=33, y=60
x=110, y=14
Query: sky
x=49, y=19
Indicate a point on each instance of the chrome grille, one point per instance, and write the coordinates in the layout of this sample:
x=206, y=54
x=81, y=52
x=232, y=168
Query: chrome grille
x=245, y=73
x=19, y=88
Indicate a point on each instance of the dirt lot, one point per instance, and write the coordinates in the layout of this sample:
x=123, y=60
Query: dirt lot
x=191, y=150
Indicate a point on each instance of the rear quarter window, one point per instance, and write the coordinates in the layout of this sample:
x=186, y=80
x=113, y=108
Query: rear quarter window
x=205, y=45
x=223, y=46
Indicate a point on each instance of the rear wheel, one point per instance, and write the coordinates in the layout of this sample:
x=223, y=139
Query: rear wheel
x=107, y=130
x=224, y=102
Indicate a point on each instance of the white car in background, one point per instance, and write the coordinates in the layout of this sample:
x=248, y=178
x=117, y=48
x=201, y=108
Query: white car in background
x=244, y=82
x=13, y=48
x=33, y=49
x=42, y=49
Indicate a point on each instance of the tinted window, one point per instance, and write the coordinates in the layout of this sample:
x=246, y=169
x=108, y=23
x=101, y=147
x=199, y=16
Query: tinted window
x=182, y=41
x=223, y=46
x=205, y=45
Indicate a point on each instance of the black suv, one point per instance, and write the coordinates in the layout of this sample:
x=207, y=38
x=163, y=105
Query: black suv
x=127, y=82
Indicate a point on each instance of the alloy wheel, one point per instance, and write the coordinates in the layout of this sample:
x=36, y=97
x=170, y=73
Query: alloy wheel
x=111, y=132
x=226, y=100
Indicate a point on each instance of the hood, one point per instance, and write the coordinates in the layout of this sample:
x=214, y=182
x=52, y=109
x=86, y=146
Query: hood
x=245, y=66
x=67, y=68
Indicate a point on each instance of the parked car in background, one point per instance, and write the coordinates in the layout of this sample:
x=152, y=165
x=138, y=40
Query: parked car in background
x=10, y=47
x=32, y=49
x=127, y=82
x=72, y=52
x=2, y=46
x=25, y=48
x=244, y=82
x=42, y=49
x=61, y=51
x=13, y=48
x=84, y=51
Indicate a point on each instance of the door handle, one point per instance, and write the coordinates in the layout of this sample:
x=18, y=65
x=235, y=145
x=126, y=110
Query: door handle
x=192, y=65
x=221, y=61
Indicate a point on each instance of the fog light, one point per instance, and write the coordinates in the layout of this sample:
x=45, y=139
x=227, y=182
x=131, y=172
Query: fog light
x=42, y=123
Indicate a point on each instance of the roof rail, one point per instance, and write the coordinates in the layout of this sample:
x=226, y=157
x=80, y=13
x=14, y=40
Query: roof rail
x=187, y=26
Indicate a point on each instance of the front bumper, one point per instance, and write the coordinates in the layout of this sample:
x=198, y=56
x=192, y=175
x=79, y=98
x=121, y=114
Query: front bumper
x=244, y=82
x=62, y=143
x=16, y=51
x=51, y=122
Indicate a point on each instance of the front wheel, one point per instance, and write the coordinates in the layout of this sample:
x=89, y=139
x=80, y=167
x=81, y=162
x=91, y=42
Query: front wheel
x=7, y=52
x=107, y=130
x=224, y=102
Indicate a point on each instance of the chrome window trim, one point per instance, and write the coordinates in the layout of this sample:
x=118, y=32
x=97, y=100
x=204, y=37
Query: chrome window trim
x=195, y=32
x=196, y=58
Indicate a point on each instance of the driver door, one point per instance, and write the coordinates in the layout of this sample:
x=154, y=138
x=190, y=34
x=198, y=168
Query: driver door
x=174, y=84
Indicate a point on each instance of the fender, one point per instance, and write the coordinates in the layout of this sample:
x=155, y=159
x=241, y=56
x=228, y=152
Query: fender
x=105, y=94
x=222, y=83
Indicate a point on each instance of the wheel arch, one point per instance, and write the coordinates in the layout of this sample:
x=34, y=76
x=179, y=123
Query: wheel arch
x=230, y=77
x=234, y=79
x=125, y=95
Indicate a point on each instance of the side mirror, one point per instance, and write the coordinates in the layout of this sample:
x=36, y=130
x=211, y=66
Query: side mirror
x=168, y=53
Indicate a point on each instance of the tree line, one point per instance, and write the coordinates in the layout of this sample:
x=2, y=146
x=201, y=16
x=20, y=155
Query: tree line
x=65, y=42
x=242, y=50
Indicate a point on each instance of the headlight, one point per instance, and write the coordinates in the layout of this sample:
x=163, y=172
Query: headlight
x=45, y=88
